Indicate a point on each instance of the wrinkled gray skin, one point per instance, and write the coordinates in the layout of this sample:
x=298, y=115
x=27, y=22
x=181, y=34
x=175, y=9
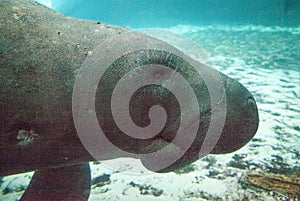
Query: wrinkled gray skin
x=41, y=52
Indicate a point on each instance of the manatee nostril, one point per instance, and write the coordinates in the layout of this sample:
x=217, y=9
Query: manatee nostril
x=251, y=103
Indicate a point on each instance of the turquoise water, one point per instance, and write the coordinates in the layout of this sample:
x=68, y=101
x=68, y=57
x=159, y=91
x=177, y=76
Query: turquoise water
x=254, y=42
x=158, y=13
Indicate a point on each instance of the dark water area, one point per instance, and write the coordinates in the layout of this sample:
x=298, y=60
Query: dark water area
x=157, y=13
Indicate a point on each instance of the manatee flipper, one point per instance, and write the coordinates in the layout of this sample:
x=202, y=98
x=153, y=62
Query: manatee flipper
x=68, y=183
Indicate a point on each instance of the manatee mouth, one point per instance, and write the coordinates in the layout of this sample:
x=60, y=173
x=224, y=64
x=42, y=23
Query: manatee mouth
x=181, y=152
x=158, y=144
x=153, y=163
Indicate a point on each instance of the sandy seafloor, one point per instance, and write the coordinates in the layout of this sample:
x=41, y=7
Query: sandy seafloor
x=265, y=60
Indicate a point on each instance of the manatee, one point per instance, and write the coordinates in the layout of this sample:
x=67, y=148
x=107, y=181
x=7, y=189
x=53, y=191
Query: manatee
x=44, y=55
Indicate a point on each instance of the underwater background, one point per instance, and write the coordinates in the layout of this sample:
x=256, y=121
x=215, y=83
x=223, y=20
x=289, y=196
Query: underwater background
x=166, y=13
x=255, y=42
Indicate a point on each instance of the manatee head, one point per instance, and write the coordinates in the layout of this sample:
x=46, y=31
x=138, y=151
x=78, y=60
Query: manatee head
x=155, y=103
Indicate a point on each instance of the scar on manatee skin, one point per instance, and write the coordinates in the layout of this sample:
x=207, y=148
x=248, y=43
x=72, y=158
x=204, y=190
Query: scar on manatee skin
x=26, y=138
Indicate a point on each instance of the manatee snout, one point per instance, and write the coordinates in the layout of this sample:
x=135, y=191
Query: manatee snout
x=240, y=125
x=241, y=118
